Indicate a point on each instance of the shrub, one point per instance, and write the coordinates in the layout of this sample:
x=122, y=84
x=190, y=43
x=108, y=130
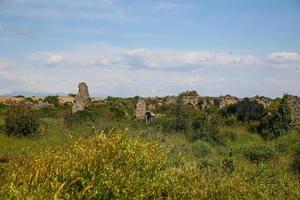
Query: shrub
x=228, y=165
x=228, y=110
x=81, y=117
x=21, y=121
x=278, y=122
x=201, y=149
x=230, y=120
x=117, y=111
x=52, y=99
x=230, y=135
x=296, y=161
x=205, y=127
x=259, y=154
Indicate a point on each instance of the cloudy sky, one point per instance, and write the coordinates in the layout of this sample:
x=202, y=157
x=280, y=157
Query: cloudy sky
x=150, y=47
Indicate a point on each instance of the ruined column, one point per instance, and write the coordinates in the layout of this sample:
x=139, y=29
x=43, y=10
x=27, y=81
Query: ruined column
x=82, y=98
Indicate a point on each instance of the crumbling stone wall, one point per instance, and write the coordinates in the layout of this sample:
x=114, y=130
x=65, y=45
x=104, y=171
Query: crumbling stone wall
x=295, y=105
x=82, y=98
x=140, y=109
x=223, y=101
x=249, y=109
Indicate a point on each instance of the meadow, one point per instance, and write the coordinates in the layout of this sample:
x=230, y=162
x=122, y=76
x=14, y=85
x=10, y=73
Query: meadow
x=106, y=153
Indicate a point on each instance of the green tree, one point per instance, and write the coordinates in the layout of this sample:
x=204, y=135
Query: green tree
x=278, y=122
x=52, y=99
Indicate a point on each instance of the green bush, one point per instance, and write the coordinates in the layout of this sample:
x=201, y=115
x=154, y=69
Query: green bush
x=259, y=154
x=81, y=117
x=278, y=122
x=228, y=110
x=206, y=127
x=52, y=99
x=296, y=161
x=21, y=121
x=228, y=165
x=201, y=149
x=230, y=135
x=230, y=120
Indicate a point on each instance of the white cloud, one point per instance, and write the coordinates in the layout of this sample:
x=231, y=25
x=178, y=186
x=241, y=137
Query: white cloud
x=4, y=64
x=284, y=57
x=117, y=71
x=108, y=56
x=46, y=58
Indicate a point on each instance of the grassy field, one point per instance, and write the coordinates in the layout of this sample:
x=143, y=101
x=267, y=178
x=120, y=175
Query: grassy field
x=105, y=153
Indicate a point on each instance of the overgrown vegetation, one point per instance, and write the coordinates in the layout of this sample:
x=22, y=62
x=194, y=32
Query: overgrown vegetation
x=21, y=121
x=186, y=153
x=278, y=122
x=52, y=100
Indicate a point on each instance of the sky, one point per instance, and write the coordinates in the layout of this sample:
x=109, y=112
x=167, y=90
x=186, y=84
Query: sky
x=150, y=47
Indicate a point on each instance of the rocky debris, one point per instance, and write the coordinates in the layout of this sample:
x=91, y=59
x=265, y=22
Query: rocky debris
x=151, y=107
x=250, y=108
x=82, y=98
x=295, y=105
x=140, y=109
x=41, y=104
x=171, y=100
x=205, y=102
x=223, y=101
x=192, y=100
x=65, y=99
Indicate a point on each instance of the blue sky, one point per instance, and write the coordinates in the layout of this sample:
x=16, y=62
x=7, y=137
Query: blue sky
x=149, y=48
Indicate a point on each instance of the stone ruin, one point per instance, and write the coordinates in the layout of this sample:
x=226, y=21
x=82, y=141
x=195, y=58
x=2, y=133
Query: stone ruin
x=223, y=101
x=252, y=108
x=142, y=113
x=204, y=102
x=295, y=105
x=82, y=99
x=140, y=109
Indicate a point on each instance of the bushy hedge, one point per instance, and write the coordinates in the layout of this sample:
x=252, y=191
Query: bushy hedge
x=21, y=121
x=259, y=154
x=206, y=127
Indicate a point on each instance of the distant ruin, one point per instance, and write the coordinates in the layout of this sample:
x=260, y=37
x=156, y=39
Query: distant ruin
x=140, y=109
x=295, y=104
x=82, y=98
x=248, y=108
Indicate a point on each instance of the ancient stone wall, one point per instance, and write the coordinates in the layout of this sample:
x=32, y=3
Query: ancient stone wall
x=295, y=104
x=140, y=109
x=249, y=109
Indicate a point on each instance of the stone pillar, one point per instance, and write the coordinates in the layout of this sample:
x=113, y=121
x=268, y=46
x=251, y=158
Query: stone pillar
x=82, y=98
x=140, y=109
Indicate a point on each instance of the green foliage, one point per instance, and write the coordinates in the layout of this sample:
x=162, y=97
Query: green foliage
x=146, y=162
x=81, y=118
x=118, y=111
x=230, y=120
x=201, y=149
x=189, y=93
x=21, y=121
x=228, y=165
x=228, y=110
x=278, y=122
x=52, y=100
x=259, y=154
x=206, y=127
x=296, y=161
